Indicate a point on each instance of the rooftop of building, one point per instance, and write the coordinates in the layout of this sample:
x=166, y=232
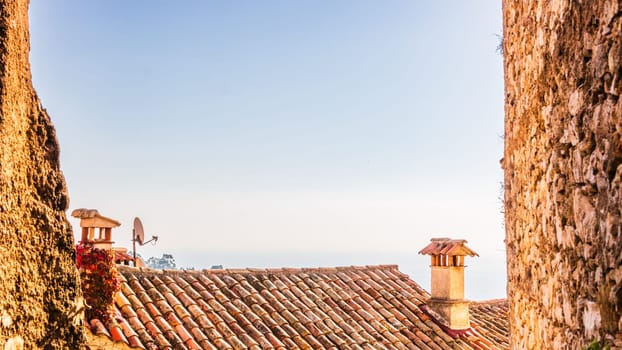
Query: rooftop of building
x=357, y=307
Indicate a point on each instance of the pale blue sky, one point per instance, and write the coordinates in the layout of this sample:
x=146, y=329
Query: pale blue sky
x=279, y=126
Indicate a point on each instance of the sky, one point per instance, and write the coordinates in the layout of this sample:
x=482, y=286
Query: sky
x=286, y=133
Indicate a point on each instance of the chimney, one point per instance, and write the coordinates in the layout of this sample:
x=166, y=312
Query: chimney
x=447, y=301
x=95, y=259
x=96, y=228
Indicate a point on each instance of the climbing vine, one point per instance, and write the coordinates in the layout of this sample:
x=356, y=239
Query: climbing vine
x=100, y=282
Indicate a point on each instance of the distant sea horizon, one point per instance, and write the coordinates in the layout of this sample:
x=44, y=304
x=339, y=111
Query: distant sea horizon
x=485, y=277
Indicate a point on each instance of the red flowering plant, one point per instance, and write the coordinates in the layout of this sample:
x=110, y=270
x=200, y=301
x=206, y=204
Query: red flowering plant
x=100, y=282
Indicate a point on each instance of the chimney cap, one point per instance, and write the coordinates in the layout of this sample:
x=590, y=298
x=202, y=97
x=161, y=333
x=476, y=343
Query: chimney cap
x=92, y=218
x=447, y=246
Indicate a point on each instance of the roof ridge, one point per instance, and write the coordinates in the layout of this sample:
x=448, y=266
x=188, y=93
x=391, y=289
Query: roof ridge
x=490, y=301
x=255, y=270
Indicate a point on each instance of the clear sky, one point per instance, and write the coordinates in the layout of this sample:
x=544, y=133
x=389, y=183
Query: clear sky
x=273, y=127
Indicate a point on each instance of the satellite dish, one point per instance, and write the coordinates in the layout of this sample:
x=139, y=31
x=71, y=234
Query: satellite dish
x=139, y=232
x=138, y=235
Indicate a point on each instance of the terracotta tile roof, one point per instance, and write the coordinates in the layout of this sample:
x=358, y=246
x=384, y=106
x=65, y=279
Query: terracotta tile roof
x=358, y=308
x=446, y=246
x=123, y=258
x=490, y=318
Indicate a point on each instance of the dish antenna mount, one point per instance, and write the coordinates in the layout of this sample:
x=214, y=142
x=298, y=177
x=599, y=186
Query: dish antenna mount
x=138, y=235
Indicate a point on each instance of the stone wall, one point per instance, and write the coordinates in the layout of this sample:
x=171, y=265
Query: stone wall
x=563, y=173
x=39, y=292
x=102, y=342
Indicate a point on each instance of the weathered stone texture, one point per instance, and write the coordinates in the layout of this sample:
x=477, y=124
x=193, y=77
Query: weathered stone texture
x=103, y=342
x=39, y=288
x=563, y=173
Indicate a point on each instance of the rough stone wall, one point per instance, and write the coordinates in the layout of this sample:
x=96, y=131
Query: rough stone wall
x=39, y=288
x=103, y=342
x=563, y=173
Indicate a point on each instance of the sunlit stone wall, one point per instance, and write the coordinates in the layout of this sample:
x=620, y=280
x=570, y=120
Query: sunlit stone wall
x=39, y=288
x=563, y=150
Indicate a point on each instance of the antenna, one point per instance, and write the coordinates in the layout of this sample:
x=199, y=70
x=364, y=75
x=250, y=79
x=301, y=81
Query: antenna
x=138, y=235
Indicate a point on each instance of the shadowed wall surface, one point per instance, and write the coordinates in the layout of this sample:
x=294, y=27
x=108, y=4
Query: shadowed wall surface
x=40, y=290
x=563, y=177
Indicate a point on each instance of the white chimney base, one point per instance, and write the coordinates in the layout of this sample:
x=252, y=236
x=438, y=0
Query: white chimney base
x=452, y=313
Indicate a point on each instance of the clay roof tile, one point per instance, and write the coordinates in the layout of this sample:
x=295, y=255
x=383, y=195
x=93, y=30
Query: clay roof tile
x=446, y=246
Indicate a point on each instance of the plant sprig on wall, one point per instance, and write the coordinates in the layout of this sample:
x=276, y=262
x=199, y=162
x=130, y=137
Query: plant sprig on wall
x=595, y=345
